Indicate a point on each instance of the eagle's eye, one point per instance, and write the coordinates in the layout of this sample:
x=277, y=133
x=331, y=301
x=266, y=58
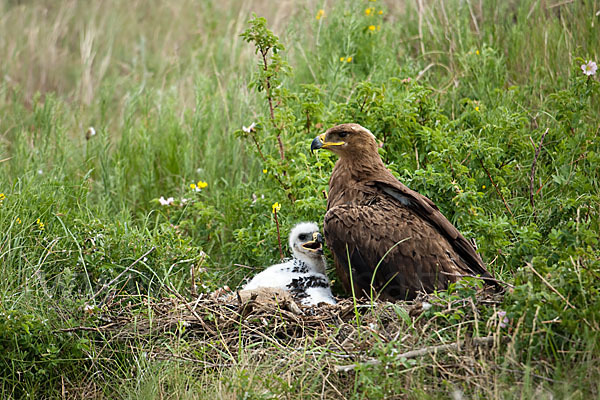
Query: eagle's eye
x=343, y=134
x=303, y=236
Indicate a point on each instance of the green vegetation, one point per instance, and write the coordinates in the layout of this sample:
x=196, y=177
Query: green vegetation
x=481, y=106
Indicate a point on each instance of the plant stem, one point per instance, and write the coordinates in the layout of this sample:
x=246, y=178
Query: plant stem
x=278, y=234
x=270, y=100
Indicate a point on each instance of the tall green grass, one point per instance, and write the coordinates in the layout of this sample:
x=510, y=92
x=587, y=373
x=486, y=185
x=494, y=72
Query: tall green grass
x=166, y=85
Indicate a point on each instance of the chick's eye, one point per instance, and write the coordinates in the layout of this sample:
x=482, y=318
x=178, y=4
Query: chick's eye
x=302, y=237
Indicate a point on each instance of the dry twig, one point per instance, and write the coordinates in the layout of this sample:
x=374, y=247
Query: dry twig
x=422, y=352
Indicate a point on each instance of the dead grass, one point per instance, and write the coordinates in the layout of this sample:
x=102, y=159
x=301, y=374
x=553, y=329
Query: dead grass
x=266, y=343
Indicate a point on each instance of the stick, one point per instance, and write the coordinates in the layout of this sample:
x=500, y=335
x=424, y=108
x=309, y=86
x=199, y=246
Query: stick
x=194, y=313
x=551, y=287
x=496, y=187
x=122, y=273
x=537, y=153
x=478, y=341
x=270, y=100
x=420, y=352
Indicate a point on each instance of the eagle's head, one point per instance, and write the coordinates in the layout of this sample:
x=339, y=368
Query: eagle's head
x=347, y=141
x=306, y=242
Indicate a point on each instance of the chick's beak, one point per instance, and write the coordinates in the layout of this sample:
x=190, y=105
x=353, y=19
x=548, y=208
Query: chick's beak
x=315, y=245
x=317, y=237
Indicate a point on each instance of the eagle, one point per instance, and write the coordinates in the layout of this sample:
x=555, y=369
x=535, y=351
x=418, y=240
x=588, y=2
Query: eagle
x=303, y=275
x=386, y=239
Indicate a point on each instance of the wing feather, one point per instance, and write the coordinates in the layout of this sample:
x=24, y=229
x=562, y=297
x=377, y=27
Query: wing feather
x=390, y=241
x=426, y=209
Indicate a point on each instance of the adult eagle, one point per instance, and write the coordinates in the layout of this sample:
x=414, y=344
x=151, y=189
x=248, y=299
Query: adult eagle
x=394, y=240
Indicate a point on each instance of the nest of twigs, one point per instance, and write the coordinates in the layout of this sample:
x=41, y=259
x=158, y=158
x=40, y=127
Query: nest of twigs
x=222, y=323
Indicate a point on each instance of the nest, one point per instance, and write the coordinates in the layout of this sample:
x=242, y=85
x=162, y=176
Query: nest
x=222, y=323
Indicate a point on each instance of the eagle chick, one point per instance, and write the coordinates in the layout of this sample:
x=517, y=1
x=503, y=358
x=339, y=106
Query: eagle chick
x=304, y=274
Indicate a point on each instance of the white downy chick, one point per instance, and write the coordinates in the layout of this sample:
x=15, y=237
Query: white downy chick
x=304, y=274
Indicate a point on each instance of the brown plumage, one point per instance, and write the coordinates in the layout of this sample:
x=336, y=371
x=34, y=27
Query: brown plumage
x=377, y=224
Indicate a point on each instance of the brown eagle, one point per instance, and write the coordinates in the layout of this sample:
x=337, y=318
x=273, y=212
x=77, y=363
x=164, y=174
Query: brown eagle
x=395, y=240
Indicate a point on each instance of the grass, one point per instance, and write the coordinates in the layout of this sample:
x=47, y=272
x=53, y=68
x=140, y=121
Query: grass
x=168, y=86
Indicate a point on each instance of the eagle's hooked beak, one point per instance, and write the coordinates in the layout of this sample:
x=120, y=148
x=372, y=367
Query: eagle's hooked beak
x=317, y=143
x=320, y=143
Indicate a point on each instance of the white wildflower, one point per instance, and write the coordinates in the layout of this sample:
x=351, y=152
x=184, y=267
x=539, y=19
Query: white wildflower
x=249, y=129
x=589, y=68
x=165, y=202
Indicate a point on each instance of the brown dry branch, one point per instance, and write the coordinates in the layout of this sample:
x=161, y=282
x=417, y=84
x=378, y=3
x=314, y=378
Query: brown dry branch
x=270, y=100
x=111, y=283
x=550, y=286
x=478, y=341
x=496, y=187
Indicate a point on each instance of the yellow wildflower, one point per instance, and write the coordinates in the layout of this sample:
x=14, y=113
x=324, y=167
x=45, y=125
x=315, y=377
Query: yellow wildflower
x=483, y=187
x=349, y=59
x=264, y=171
x=320, y=14
x=368, y=11
x=193, y=186
x=2, y=196
x=201, y=184
x=477, y=52
x=342, y=59
x=40, y=224
x=18, y=220
x=477, y=108
x=380, y=12
x=276, y=207
x=372, y=28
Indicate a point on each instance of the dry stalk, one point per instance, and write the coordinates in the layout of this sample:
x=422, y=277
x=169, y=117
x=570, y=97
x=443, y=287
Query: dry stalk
x=422, y=352
x=496, y=187
x=550, y=286
x=109, y=284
